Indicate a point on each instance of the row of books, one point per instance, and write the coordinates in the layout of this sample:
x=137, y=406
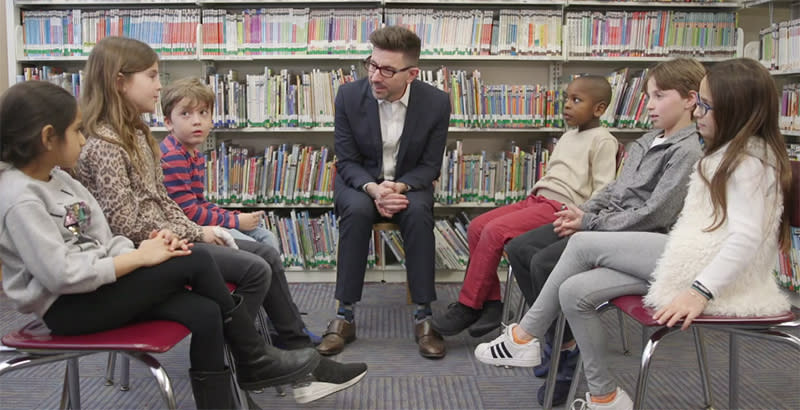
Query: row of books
x=789, y=119
x=287, y=31
x=780, y=45
x=787, y=270
x=267, y=31
x=306, y=100
x=69, y=81
x=310, y=243
x=303, y=175
x=284, y=174
x=793, y=150
x=75, y=32
x=651, y=33
x=496, y=178
x=627, y=108
x=482, y=32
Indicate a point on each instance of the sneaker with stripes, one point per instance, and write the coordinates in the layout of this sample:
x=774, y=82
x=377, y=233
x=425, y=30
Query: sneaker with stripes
x=503, y=351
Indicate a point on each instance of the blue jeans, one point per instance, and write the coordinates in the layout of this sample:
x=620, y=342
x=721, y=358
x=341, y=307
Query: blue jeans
x=262, y=235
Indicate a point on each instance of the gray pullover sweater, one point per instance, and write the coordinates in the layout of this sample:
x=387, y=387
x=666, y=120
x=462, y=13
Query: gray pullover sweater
x=649, y=192
x=54, y=240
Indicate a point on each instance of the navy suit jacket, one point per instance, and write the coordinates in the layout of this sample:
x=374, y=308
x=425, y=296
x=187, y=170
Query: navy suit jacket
x=359, y=147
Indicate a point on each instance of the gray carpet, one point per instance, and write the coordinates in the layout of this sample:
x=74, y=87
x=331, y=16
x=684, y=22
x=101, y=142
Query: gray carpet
x=399, y=378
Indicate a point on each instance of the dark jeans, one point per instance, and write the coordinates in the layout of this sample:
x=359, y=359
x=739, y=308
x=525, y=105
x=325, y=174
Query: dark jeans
x=532, y=256
x=256, y=268
x=157, y=292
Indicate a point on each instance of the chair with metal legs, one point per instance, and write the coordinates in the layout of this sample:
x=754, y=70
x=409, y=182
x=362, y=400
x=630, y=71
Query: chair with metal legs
x=765, y=327
x=124, y=382
x=762, y=327
x=137, y=341
x=124, y=385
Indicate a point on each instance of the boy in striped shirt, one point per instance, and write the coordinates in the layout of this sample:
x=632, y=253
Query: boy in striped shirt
x=187, y=105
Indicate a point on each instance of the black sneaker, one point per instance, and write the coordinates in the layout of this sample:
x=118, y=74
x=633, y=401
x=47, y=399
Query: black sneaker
x=328, y=378
x=490, y=318
x=455, y=319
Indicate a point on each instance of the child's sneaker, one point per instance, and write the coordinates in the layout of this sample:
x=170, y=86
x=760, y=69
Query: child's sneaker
x=503, y=351
x=621, y=402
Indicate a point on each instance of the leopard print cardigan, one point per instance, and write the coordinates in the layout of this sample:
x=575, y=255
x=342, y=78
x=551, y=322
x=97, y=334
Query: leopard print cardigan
x=135, y=203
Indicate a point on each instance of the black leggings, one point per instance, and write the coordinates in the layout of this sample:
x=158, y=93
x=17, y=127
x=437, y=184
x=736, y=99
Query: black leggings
x=157, y=292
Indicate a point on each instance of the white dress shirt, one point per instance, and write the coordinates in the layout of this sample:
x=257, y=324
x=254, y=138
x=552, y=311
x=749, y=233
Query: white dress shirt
x=392, y=118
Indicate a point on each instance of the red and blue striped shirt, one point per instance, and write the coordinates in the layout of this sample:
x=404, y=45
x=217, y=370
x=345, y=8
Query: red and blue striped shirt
x=184, y=176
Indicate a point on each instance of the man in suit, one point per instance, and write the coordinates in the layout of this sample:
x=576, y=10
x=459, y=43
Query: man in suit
x=390, y=134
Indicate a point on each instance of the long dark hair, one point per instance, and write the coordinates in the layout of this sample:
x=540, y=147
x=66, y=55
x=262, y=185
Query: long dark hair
x=745, y=106
x=25, y=109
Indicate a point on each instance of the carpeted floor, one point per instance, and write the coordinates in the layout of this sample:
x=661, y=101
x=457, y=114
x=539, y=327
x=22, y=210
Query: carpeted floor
x=399, y=378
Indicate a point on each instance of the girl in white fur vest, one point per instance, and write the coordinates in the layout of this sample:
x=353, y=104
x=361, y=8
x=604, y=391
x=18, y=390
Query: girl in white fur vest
x=717, y=259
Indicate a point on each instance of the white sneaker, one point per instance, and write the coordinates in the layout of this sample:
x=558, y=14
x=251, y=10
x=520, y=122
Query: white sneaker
x=503, y=351
x=621, y=402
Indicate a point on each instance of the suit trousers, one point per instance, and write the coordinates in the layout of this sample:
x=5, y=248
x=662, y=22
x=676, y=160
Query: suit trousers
x=357, y=213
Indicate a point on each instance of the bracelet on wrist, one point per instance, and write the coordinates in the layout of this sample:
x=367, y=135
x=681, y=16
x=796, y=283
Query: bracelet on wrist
x=699, y=294
x=700, y=288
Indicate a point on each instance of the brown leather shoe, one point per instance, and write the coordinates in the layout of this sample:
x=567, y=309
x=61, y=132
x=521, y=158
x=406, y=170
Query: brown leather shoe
x=339, y=333
x=431, y=344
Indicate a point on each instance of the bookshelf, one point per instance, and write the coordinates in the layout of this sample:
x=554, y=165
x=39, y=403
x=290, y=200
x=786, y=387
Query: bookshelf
x=777, y=50
x=546, y=64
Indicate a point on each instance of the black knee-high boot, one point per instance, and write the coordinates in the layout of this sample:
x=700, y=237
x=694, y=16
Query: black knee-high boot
x=212, y=390
x=259, y=365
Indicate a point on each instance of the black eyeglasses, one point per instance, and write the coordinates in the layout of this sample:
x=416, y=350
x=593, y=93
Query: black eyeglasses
x=386, y=72
x=702, y=107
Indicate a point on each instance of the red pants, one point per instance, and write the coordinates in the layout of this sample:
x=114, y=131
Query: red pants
x=488, y=233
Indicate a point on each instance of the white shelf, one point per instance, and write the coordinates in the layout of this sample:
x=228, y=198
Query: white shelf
x=790, y=133
x=503, y=130
x=33, y=59
x=641, y=59
x=779, y=73
x=655, y=4
x=249, y=130
x=466, y=205
x=553, y=3
x=291, y=57
x=102, y=2
x=491, y=58
x=276, y=206
x=629, y=130
x=765, y=3
x=271, y=2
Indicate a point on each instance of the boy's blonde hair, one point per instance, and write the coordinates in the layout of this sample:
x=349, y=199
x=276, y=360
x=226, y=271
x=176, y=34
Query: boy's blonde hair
x=189, y=87
x=102, y=101
x=680, y=74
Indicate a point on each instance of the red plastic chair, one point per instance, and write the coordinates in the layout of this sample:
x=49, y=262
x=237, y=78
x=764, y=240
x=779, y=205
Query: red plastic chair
x=137, y=341
x=243, y=397
x=763, y=327
x=632, y=305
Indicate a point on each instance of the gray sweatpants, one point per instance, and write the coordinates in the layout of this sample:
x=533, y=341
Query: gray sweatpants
x=594, y=268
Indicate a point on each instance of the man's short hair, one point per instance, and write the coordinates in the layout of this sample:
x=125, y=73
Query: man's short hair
x=189, y=87
x=397, y=38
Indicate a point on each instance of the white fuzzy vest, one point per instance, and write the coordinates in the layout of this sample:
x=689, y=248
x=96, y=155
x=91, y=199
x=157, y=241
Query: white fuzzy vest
x=689, y=250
